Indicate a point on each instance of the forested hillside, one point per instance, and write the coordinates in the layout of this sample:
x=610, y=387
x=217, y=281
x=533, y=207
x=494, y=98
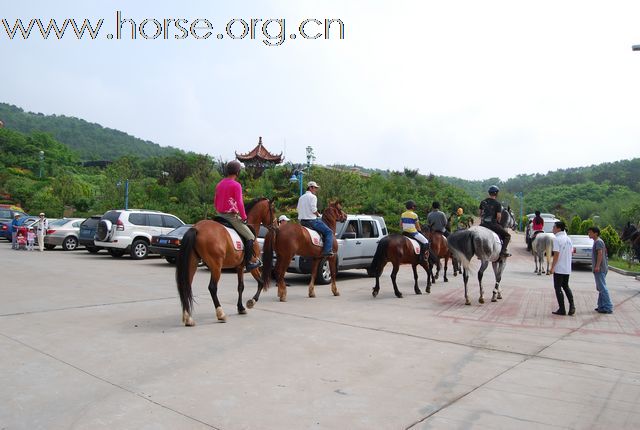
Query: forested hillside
x=90, y=141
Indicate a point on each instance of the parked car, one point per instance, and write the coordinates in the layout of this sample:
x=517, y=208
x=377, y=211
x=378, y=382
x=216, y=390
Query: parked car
x=87, y=231
x=549, y=220
x=358, y=239
x=167, y=245
x=131, y=230
x=582, y=248
x=63, y=232
x=25, y=220
x=7, y=212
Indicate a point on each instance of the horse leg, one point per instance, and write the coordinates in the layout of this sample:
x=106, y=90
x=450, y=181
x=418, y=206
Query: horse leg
x=415, y=279
x=376, y=288
x=481, y=270
x=314, y=271
x=394, y=272
x=465, y=278
x=497, y=294
x=240, y=272
x=333, y=267
x=446, y=263
x=438, y=266
x=252, y=301
x=425, y=266
x=213, y=290
x=281, y=267
x=191, y=268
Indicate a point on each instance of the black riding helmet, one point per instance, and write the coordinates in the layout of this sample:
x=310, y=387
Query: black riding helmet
x=493, y=189
x=410, y=204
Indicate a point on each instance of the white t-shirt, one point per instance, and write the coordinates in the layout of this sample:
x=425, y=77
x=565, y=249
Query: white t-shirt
x=307, y=206
x=563, y=246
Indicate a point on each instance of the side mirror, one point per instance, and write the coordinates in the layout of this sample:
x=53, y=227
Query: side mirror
x=349, y=235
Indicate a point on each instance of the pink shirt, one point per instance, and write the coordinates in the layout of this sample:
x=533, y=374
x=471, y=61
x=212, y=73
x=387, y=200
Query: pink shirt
x=228, y=198
x=538, y=226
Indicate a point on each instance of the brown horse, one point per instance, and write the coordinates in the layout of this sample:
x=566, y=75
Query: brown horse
x=398, y=249
x=293, y=239
x=209, y=240
x=439, y=248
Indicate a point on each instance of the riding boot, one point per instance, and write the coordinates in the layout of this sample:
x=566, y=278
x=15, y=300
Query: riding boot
x=248, y=256
x=503, y=251
x=423, y=250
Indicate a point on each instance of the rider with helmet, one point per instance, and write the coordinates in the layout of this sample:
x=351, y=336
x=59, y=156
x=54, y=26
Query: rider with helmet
x=230, y=206
x=490, y=215
x=410, y=226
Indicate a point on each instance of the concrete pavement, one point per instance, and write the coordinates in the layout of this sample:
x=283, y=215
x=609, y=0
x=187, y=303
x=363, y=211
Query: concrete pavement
x=92, y=342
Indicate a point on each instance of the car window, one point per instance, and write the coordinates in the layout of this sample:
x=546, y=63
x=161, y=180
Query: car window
x=5, y=213
x=138, y=219
x=369, y=229
x=76, y=224
x=112, y=216
x=58, y=222
x=171, y=221
x=155, y=220
x=90, y=222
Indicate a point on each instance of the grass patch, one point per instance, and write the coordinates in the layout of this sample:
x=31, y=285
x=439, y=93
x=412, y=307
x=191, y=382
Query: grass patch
x=624, y=264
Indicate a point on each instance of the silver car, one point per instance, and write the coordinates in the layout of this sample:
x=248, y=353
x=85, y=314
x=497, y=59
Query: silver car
x=582, y=248
x=63, y=232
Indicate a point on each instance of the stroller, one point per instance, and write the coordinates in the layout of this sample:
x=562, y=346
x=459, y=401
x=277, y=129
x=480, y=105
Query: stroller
x=21, y=238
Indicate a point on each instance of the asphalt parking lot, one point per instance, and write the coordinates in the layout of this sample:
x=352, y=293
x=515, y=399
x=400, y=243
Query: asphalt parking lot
x=93, y=342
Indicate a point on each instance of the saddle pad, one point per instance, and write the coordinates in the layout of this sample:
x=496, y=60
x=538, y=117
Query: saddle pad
x=235, y=239
x=416, y=245
x=316, y=239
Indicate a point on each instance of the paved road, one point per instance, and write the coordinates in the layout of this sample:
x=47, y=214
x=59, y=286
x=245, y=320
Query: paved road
x=93, y=342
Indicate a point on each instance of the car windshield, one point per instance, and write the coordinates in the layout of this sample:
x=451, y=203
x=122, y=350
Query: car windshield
x=58, y=222
x=581, y=240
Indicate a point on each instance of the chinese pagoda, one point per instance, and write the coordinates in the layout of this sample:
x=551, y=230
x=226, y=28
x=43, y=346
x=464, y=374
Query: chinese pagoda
x=259, y=159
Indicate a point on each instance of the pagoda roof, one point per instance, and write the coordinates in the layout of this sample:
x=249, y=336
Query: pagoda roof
x=260, y=153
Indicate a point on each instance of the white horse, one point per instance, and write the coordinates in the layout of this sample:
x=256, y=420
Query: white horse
x=542, y=247
x=484, y=244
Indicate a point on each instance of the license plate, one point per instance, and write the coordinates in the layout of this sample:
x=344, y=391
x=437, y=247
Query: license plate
x=163, y=241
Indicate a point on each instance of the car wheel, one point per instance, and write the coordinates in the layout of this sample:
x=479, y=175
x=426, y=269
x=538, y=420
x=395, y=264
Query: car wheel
x=171, y=260
x=139, y=249
x=116, y=253
x=70, y=243
x=49, y=246
x=323, y=277
x=93, y=249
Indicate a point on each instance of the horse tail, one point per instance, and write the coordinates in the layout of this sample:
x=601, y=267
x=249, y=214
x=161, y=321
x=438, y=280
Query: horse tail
x=182, y=269
x=267, y=258
x=462, y=247
x=380, y=256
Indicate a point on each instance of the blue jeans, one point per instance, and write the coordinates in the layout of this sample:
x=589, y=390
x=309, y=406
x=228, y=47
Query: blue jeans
x=319, y=226
x=604, y=301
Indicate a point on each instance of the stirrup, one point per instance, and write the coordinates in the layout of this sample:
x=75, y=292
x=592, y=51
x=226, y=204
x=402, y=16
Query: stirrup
x=251, y=266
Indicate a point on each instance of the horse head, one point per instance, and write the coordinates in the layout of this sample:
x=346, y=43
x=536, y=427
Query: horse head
x=628, y=231
x=333, y=213
x=261, y=211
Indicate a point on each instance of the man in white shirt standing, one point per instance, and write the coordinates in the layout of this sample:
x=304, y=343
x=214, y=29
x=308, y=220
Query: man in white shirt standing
x=41, y=229
x=561, y=267
x=310, y=217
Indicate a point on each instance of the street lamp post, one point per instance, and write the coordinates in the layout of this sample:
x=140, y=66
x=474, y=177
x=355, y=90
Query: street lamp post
x=520, y=195
x=126, y=192
x=297, y=175
x=41, y=162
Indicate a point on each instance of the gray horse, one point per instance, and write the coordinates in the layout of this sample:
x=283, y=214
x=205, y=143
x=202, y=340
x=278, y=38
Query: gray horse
x=542, y=247
x=484, y=244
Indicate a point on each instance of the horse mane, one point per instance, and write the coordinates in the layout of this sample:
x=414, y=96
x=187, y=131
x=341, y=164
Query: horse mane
x=253, y=202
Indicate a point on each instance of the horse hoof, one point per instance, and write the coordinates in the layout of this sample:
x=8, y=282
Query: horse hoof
x=251, y=303
x=312, y=295
x=189, y=322
x=418, y=292
x=468, y=303
x=481, y=300
x=499, y=296
x=336, y=293
x=374, y=293
x=445, y=280
x=428, y=290
x=242, y=311
x=220, y=315
x=493, y=299
x=399, y=295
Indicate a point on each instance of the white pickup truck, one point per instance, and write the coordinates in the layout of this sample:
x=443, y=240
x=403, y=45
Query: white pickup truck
x=358, y=239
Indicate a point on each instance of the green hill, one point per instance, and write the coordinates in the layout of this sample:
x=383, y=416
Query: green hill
x=91, y=141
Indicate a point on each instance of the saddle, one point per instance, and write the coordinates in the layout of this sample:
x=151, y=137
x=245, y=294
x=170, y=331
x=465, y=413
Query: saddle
x=238, y=243
x=415, y=243
x=316, y=238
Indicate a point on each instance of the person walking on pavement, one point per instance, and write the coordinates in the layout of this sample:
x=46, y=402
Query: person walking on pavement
x=561, y=268
x=310, y=217
x=229, y=204
x=42, y=225
x=14, y=231
x=600, y=267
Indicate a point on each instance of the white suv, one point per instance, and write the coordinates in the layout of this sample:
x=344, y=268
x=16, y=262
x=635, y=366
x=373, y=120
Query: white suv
x=130, y=230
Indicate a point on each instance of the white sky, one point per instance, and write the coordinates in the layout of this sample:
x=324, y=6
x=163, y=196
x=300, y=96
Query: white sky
x=468, y=88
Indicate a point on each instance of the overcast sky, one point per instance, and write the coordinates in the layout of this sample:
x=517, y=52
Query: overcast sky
x=473, y=89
